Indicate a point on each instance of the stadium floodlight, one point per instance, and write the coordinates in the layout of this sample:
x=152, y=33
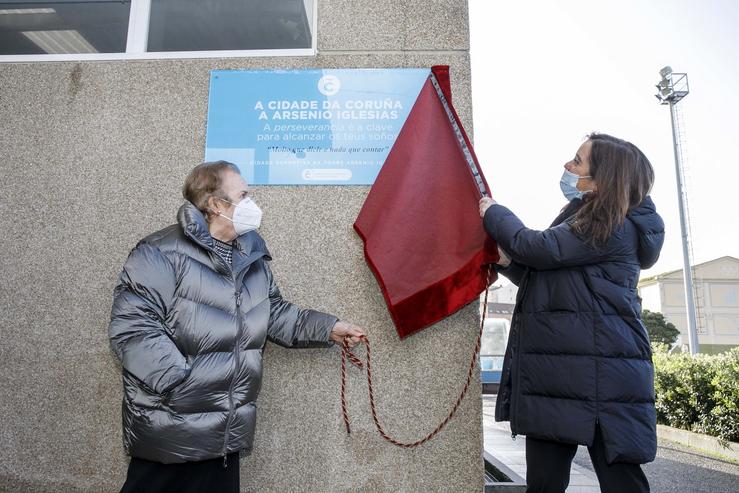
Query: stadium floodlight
x=671, y=90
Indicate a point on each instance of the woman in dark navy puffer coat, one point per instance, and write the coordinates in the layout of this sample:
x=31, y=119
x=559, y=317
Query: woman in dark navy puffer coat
x=578, y=367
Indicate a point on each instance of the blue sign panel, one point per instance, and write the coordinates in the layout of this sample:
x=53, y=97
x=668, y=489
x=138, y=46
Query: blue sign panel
x=308, y=127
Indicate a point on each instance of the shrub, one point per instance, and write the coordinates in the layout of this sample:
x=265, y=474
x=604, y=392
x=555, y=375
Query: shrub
x=698, y=393
x=723, y=419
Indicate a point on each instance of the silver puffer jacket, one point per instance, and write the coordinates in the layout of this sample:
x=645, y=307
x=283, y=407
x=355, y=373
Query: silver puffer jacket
x=189, y=330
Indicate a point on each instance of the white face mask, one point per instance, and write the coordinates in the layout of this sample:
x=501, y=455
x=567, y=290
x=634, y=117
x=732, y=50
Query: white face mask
x=568, y=184
x=247, y=216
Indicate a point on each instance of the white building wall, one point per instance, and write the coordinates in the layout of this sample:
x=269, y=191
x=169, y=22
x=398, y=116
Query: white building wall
x=717, y=301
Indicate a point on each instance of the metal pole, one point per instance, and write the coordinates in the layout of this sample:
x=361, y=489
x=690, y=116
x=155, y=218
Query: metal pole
x=687, y=271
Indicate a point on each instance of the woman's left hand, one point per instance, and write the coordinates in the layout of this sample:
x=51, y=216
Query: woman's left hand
x=485, y=203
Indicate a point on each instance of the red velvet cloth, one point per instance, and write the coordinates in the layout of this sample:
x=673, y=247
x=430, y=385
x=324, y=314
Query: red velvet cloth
x=423, y=236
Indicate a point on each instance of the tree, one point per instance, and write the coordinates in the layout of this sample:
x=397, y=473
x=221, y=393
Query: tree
x=659, y=329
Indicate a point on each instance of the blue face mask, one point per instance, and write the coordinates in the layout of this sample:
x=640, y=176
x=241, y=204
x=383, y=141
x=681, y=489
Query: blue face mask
x=568, y=184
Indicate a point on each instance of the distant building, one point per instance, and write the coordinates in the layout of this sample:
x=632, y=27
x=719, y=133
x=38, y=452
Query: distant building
x=501, y=301
x=716, y=299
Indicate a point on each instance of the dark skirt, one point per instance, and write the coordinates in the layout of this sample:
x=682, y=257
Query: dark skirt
x=188, y=477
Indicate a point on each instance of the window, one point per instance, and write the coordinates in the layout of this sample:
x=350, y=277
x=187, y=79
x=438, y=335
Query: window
x=492, y=349
x=724, y=295
x=118, y=29
x=494, y=337
x=196, y=25
x=32, y=28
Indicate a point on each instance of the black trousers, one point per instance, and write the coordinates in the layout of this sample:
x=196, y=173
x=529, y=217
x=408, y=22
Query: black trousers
x=188, y=477
x=548, y=468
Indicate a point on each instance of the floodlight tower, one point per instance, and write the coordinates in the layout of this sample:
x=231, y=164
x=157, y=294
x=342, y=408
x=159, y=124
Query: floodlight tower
x=671, y=90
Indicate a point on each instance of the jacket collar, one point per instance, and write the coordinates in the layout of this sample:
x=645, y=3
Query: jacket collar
x=567, y=211
x=248, y=247
x=194, y=225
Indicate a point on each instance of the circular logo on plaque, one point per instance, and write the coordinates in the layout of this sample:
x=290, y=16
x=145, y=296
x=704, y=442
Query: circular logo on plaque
x=329, y=85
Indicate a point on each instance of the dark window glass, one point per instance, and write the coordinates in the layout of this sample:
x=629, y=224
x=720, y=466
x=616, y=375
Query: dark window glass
x=204, y=25
x=33, y=28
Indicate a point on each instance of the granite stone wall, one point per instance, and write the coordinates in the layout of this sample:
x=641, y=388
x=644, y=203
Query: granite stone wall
x=93, y=156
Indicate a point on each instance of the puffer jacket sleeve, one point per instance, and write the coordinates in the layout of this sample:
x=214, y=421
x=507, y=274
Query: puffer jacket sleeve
x=137, y=331
x=549, y=249
x=514, y=272
x=294, y=327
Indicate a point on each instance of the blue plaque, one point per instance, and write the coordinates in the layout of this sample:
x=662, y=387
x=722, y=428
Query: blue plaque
x=308, y=127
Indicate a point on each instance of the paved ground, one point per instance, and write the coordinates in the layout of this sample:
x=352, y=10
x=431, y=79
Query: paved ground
x=676, y=469
x=498, y=442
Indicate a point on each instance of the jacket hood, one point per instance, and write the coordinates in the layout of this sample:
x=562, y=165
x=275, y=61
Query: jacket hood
x=651, y=230
x=195, y=227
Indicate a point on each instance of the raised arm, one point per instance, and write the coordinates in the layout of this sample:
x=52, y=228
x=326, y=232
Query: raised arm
x=549, y=249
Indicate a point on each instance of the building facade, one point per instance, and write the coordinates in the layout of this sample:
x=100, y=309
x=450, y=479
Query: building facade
x=103, y=107
x=716, y=286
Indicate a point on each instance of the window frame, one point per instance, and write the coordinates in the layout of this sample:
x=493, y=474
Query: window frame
x=138, y=32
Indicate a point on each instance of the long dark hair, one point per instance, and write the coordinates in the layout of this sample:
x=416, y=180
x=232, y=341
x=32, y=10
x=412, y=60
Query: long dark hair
x=623, y=177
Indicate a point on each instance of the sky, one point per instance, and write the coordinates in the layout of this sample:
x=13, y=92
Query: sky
x=547, y=73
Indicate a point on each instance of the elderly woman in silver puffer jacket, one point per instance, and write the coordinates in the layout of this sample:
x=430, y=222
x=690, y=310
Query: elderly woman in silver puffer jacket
x=192, y=310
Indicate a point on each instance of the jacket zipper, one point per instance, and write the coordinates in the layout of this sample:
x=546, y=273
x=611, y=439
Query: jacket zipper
x=237, y=295
x=517, y=371
x=231, y=409
x=237, y=348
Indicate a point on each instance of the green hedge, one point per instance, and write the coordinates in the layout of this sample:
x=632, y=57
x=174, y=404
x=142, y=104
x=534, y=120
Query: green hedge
x=698, y=393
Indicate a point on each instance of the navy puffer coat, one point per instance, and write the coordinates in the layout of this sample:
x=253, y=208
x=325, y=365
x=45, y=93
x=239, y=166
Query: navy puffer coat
x=578, y=354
